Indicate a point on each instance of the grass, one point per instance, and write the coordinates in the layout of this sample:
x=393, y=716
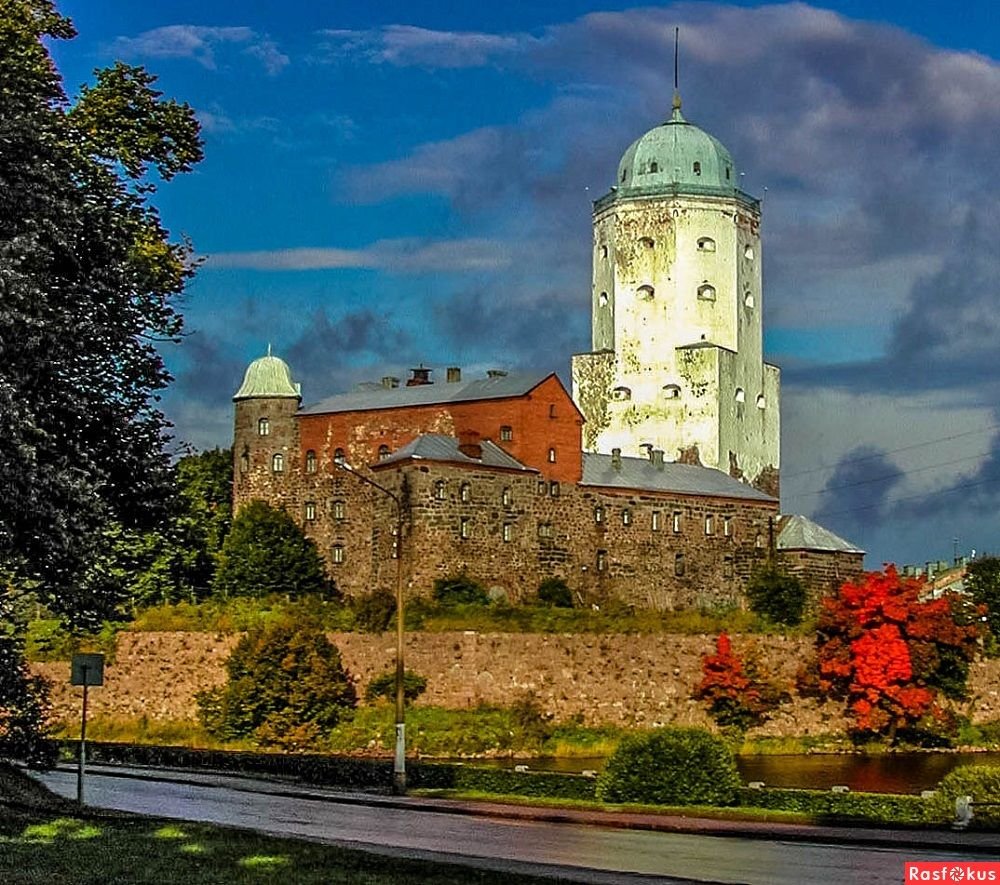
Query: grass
x=50, y=849
x=161, y=733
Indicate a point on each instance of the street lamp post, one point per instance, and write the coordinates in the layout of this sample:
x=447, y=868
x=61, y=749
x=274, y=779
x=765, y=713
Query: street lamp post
x=399, y=763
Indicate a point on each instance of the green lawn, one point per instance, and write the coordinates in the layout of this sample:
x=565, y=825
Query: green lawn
x=42, y=847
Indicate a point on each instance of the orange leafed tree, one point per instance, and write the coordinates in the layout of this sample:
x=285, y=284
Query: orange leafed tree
x=736, y=693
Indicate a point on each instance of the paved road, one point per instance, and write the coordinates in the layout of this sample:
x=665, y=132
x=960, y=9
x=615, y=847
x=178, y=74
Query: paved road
x=495, y=843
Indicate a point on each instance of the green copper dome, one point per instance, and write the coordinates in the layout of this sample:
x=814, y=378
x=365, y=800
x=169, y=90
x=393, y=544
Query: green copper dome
x=268, y=376
x=677, y=155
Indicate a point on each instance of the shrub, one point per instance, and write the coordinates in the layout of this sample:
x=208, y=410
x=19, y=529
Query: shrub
x=982, y=581
x=384, y=686
x=555, y=592
x=737, y=694
x=671, y=766
x=460, y=590
x=981, y=782
x=777, y=596
x=374, y=611
x=286, y=685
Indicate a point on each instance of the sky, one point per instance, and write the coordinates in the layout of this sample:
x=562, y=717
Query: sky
x=393, y=184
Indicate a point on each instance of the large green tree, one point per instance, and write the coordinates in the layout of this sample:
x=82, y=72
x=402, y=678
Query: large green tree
x=982, y=580
x=89, y=280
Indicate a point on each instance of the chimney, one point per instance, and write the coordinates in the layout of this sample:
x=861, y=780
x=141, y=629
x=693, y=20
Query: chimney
x=616, y=459
x=469, y=445
x=454, y=374
x=389, y=382
x=496, y=373
x=656, y=456
x=647, y=450
x=419, y=377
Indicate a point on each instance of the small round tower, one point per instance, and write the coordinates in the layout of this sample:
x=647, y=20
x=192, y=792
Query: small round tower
x=265, y=432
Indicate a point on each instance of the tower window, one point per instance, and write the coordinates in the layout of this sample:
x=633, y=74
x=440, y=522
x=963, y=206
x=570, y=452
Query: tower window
x=626, y=516
x=621, y=393
x=310, y=461
x=508, y=532
x=672, y=391
x=244, y=462
x=646, y=292
x=647, y=242
x=278, y=463
x=310, y=511
x=727, y=173
x=338, y=554
x=543, y=487
x=655, y=523
x=676, y=522
x=679, y=564
x=465, y=493
x=552, y=456
x=761, y=402
x=598, y=514
x=604, y=251
x=505, y=498
x=623, y=173
x=506, y=433
x=654, y=166
x=439, y=490
x=696, y=168
x=706, y=244
x=602, y=560
x=465, y=528
x=706, y=292
x=263, y=427
x=748, y=299
x=748, y=252
x=741, y=396
x=602, y=299
x=709, y=524
x=339, y=510
x=383, y=452
x=338, y=456
x=554, y=489
x=727, y=526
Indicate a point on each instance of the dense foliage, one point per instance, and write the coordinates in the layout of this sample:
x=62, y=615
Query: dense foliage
x=737, y=694
x=90, y=281
x=460, y=590
x=889, y=652
x=670, y=766
x=777, y=596
x=286, y=686
x=982, y=580
x=981, y=782
x=384, y=686
x=555, y=592
x=373, y=612
x=267, y=552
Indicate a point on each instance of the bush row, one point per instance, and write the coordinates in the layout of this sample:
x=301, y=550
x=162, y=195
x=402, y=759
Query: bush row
x=824, y=805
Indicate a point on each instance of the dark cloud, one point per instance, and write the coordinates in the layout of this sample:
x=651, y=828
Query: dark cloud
x=210, y=371
x=858, y=491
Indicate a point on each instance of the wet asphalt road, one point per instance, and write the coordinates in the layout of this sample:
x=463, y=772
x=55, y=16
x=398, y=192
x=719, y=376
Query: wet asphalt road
x=495, y=843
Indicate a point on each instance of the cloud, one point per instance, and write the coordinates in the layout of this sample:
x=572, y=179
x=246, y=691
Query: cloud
x=858, y=491
x=405, y=46
x=200, y=43
x=409, y=256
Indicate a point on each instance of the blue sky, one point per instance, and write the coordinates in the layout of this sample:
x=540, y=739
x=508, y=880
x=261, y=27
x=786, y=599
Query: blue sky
x=388, y=184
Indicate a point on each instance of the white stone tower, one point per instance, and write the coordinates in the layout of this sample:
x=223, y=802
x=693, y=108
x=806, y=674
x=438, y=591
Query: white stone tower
x=677, y=360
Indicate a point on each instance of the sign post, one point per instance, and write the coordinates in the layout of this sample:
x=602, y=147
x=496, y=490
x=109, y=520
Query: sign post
x=86, y=670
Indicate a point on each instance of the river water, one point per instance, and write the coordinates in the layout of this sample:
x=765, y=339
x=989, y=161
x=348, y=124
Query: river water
x=889, y=773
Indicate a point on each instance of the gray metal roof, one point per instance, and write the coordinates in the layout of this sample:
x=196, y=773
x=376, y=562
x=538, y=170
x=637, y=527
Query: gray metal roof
x=437, y=447
x=798, y=532
x=503, y=387
x=685, y=479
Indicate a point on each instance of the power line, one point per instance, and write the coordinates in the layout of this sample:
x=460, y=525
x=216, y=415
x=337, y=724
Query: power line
x=952, y=490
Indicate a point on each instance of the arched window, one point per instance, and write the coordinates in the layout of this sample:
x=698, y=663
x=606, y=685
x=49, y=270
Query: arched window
x=604, y=251
x=647, y=242
x=310, y=461
x=383, y=452
x=277, y=463
x=741, y=396
x=626, y=516
x=646, y=292
x=706, y=244
x=706, y=292
x=623, y=173
x=338, y=554
x=621, y=393
x=338, y=456
x=439, y=490
x=598, y=514
x=310, y=511
x=654, y=166
x=263, y=427
x=244, y=462
x=339, y=510
x=552, y=456
x=696, y=168
x=748, y=299
x=465, y=492
x=672, y=391
x=709, y=524
x=679, y=564
x=602, y=299
x=761, y=402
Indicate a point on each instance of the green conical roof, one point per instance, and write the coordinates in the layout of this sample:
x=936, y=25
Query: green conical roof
x=268, y=376
x=677, y=155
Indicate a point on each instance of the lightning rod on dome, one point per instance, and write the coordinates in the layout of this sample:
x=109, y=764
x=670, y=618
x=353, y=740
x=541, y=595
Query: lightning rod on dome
x=268, y=348
x=677, y=91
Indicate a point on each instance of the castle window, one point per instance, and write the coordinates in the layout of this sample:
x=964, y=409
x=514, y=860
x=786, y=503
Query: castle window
x=465, y=493
x=602, y=299
x=506, y=433
x=759, y=541
x=727, y=567
x=646, y=292
x=740, y=395
x=439, y=490
x=748, y=299
x=465, y=528
x=505, y=498
x=727, y=526
x=552, y=410
x=672, y=391
x=602, y=560
x=679, y=564
x=604, y=251
x=598, y=514
x=654, y=166
x=545, y=530
x=676, y=522
x=263, y=427
x=706, y=244
x=552, y=456
x=338, y=456
x=310, y=461
x=244, y=462
x=696, y=168
x=542, y=487
x=647, y=242
x=278, y=463
x=655, y=524
x=709, y=524
x=339, y=510
x=706, y=292
x=383, y=452
x=621, y=393
x=554, y=489
x=626, y=516
x=338, y=554
x=508, y=532
x=748, y=253
x=310, y=511
x=761, y=402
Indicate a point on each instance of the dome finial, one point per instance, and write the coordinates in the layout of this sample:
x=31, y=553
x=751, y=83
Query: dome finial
x=268, y=348
x=676, y=107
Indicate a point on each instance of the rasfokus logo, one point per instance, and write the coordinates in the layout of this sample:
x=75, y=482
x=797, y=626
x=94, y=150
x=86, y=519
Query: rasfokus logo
x=952, y=871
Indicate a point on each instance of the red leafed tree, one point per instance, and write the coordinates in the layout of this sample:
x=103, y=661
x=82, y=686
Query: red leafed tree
x=736, y=693
x=890, y=651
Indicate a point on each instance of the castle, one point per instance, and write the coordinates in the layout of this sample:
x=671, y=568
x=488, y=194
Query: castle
x=656, y=483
